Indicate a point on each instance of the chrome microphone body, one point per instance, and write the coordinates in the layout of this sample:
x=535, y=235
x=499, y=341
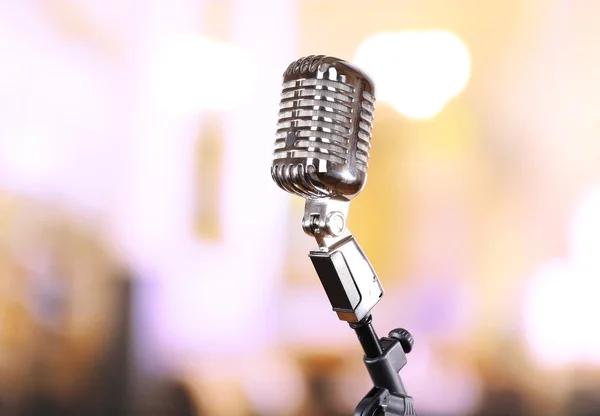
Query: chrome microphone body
x=324, y=130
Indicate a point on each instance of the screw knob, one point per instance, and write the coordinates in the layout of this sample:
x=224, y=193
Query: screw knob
x=406, y=339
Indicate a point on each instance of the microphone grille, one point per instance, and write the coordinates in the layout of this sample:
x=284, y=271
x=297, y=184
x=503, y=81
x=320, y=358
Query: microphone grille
x=324, y=128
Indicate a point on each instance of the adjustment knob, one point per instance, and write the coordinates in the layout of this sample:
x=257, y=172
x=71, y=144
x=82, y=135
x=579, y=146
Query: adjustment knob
x=406, y=339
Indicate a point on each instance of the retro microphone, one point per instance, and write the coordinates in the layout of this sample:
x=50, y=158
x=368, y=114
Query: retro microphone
x=321, y=154
x=324, y=130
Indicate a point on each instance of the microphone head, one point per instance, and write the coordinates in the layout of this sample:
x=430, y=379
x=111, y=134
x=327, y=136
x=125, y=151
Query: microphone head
x=324, y=129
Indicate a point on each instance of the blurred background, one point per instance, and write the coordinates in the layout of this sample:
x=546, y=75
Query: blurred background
x=149, y=266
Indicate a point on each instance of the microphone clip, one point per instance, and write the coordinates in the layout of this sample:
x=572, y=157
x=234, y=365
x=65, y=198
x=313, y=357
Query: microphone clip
x=325, y=220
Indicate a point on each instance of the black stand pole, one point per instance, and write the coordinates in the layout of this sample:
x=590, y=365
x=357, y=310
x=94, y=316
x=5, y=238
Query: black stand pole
x=384, y=358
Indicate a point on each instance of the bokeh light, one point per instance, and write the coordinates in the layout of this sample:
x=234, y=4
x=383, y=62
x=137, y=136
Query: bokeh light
x=417, y=72
x=562, y=308
x=149, y=265
x=192, y=73
x=584, y=233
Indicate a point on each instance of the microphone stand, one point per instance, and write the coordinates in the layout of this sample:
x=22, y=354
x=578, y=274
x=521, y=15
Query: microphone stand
x=353, y=289
x=384, y=358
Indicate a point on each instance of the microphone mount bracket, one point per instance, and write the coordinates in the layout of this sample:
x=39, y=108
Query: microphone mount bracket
x=325, y=220
x=348, y=278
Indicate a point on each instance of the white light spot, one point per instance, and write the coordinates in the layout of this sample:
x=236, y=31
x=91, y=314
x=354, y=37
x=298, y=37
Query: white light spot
x=193, y=73
x=561, y=304
x=416, y=72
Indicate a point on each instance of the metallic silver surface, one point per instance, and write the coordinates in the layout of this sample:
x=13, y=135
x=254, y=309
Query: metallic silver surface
x=355, y=275
x=325, y=219
x=324, y=129
x=321, y=154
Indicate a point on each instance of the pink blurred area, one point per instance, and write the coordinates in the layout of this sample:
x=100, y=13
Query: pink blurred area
x=149, y=265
